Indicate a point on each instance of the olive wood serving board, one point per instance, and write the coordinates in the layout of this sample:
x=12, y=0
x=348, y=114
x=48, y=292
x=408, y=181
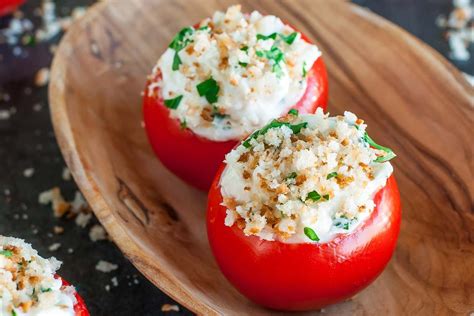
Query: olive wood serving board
x=412, y=99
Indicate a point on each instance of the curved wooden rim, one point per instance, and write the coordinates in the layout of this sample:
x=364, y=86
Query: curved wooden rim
x=89, y=188
x=68, y=145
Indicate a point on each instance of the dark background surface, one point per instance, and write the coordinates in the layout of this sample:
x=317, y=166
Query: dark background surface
x=27, y=141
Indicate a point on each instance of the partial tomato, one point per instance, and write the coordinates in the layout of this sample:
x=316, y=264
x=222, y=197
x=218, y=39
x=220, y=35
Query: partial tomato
x=196, y=159
x=80, y=308
x=305, y=276
x=8, y=6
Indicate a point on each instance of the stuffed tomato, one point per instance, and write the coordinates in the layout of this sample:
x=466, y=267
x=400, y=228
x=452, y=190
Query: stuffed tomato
x=305, y=212
x=29, y=284
x=222, y=79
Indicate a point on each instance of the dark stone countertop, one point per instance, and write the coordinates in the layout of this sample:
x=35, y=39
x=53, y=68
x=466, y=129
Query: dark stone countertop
x=27, y=141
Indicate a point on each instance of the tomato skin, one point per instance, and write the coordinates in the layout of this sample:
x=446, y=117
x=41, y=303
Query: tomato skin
x=8, y=6
x=297, y=277
x=80, y=308
x=196, y=159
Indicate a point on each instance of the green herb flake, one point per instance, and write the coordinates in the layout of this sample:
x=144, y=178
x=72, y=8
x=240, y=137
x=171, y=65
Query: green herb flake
x=273, y=124
x=326, y=197
x=266, y=37
x=390, y=154
x=275, y=55
x=291, y=176
x=298, y=127
x=181, y=39
x=46, y=290
x=289, y=39
x=243, y=64
x=209, y=89
x=311, y=234
x=173, y=103
x=176, y=62
x=331, y=175
x=6, y=253
x=305, y=73
x=314, y=196
x=13, y=313
x=204, y=28
x=183, y=124
x=293, y=112
x=244, y=48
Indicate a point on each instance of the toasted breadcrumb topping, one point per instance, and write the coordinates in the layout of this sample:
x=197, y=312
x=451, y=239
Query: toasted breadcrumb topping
x=28, y=285
x=303, y=178
x=233, y=73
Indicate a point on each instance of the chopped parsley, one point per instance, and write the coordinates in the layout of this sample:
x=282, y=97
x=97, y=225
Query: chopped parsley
x=6, y=253
x=305, y=73
x=243, y=64
x=314, y=196
x=289, y=39
x=274, y=124
x=343, y=222
x=216, y=114
x=291, y=176
x=276, y=56
x=209, y=89
x=244, y=48
x=266, y=37
x=173, y=103
x=326, y=197
x=13, y=313
x=203, y=28
x=331, y=175
x=390, y=154
x=180, y=41
x=46, y=290
x=311, y=234
x=183, y=124
x=293, y=112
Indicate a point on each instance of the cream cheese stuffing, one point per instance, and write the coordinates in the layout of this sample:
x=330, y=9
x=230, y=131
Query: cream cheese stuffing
x=28, y=285
x=233, y=73
x=304, y=178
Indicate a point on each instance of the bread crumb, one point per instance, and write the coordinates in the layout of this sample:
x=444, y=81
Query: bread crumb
x=66, y=175
x=97, y=233
x=28, y=172
x=54, y=247
x=58, y=230
x=169, y=308
x=82, y=219
x=60, y=206
x=105, y=267
x=42, y=77
x=114, y=281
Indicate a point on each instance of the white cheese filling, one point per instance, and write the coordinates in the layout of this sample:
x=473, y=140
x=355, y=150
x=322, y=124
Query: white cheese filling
x=27, y=282
x=258, y=63
x=306, y=181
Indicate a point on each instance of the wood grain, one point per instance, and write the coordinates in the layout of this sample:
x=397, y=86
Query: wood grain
x=412, y=99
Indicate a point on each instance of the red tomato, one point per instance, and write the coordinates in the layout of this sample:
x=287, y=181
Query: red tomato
x=80, y=307
x=8, y=6
x=305, y=276
x=196, y=159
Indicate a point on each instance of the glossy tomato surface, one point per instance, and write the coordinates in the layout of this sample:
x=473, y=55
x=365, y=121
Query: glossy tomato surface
x=305, y=276
x=80, y=308
x=8, y=6
x=196, y=159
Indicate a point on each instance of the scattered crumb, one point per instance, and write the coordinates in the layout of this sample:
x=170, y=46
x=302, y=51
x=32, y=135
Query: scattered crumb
x=79, y=204
x=4, y=114
x=169, y=308
x=114, y=281
x=16, y=216
x=28, y=172
x=60, y=206
x=66, y=175
x=70, y=250
x=107, y=288
x=106, y=267
x=42, y=77
x=35, y=231
x=58, y=230
x=37, y=107
x=83, y=219
x=54, y=247
x=97, y=233
x=24, y=216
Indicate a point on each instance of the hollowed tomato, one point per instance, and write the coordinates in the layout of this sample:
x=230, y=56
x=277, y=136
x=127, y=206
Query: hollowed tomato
x=305, y=276
x=196, y=159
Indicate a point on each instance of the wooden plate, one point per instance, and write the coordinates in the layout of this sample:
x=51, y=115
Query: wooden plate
x=412, y=99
